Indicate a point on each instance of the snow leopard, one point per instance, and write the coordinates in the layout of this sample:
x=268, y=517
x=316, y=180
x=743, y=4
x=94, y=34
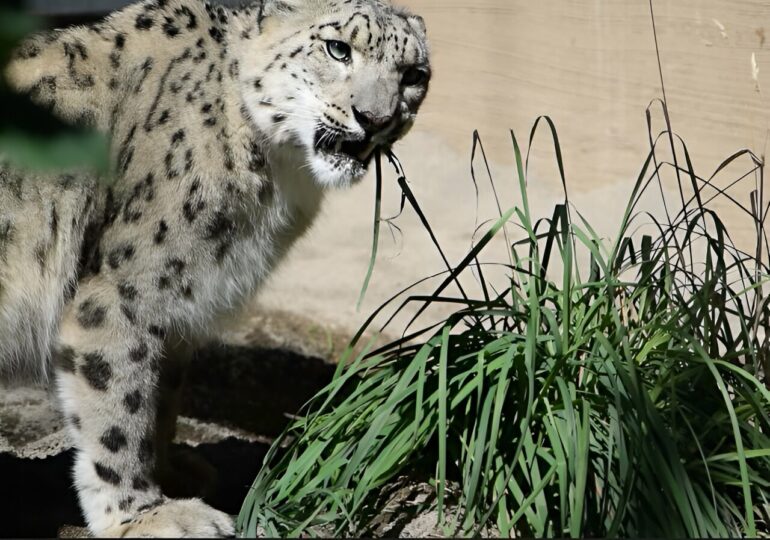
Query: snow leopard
x=227, y=129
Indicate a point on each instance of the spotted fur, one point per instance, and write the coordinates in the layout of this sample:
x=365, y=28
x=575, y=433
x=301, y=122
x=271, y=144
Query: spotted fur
x=227, y=128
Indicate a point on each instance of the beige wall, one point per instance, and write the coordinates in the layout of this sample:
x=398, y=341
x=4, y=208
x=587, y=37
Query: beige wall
x=498, y=64
x=591, y=65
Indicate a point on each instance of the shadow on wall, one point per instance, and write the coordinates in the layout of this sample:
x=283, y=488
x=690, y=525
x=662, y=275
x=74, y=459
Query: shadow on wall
x=251, y=388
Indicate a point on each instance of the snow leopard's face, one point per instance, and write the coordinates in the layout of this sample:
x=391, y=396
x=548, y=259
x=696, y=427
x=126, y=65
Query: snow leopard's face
x=338, y=79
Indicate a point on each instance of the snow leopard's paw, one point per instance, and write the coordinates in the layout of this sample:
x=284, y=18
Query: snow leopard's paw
x=175, y=518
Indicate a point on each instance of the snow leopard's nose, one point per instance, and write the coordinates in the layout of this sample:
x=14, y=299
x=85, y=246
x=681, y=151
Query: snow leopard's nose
x=371, y=122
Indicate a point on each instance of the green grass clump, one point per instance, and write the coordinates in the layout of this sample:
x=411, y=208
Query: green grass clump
x=623, y=398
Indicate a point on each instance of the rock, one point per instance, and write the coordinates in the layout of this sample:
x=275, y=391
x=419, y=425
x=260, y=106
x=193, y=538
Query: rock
x=269, y=364
x=70, y=531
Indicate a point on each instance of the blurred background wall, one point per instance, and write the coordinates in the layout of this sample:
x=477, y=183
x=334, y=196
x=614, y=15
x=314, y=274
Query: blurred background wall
x=498, y=64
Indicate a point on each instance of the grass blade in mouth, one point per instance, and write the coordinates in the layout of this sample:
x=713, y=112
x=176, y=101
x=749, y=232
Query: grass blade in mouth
x=376, y=228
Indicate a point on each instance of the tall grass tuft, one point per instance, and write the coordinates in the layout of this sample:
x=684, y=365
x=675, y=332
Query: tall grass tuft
x=623, y=397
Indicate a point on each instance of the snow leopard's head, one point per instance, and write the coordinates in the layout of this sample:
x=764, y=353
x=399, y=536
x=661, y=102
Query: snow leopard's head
x=335, y=79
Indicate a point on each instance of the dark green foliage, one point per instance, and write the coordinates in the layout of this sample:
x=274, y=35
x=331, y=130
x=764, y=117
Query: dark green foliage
x=30, y=136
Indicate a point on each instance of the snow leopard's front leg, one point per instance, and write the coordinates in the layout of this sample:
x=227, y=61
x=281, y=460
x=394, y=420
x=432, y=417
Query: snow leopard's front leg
x=108, y=368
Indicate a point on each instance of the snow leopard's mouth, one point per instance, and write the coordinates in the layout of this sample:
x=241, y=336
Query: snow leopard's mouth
x=334, y=145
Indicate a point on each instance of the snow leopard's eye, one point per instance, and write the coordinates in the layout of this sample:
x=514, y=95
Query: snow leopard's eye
x=338, y=50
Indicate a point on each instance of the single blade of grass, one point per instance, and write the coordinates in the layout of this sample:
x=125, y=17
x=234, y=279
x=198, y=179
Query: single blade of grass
x=376, y=228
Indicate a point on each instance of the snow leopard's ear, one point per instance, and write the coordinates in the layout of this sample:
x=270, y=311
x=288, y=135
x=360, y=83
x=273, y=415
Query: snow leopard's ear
x=418, y=24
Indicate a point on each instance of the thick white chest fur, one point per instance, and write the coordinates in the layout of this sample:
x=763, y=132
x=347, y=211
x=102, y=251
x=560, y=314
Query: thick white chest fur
x=275, y=222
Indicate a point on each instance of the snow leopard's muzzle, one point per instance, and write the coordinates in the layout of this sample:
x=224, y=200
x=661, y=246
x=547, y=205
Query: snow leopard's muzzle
x=378, y=132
